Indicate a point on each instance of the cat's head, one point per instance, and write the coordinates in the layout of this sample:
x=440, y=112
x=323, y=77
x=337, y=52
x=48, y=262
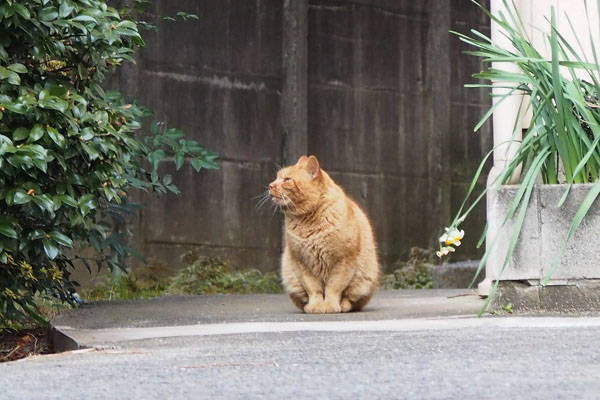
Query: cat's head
x=298, y=188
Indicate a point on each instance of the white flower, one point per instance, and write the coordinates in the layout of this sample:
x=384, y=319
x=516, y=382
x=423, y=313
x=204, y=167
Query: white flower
x=444, y=237
x=444, y=251
x=452, y=237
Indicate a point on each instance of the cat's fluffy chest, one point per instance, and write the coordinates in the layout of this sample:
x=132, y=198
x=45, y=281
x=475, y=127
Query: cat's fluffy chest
x=322, y=245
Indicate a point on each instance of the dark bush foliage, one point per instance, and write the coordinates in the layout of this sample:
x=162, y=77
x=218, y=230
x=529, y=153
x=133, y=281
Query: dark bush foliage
x=69, y=151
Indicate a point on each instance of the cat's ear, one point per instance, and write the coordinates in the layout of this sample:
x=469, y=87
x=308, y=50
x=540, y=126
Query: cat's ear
x=302, y=160
x=312, y=166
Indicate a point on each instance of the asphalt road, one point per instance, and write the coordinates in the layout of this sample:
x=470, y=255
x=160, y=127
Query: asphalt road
x=536, y=360
x=405, y=345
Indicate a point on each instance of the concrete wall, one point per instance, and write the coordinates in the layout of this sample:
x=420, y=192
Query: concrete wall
x=375, y=91
x=542, y=236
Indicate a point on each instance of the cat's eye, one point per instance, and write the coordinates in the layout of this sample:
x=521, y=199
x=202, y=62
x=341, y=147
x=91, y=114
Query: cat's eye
x=288, y=179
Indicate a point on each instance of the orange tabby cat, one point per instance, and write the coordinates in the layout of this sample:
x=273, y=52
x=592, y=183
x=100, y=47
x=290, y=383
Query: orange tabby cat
x=329, y=264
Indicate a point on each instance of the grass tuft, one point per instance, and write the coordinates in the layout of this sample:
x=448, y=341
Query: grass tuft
x=412, y=273
x=209, y=275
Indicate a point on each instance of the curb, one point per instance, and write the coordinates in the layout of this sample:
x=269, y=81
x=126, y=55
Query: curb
x=575, y=296
x=458, y=275
x=62, y=342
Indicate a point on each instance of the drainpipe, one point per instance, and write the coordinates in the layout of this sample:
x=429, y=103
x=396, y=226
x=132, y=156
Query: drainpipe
x=506, y=141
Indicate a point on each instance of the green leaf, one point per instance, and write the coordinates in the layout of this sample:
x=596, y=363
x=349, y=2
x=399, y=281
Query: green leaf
x=197, y=164
x=65, y=9
x=156, y=157
x=50, y=249
x=54, y=103
x=61, y=238
x=45, y=203
x=65, y=198
x=34, y=150
x=20, y=133
x=21, y=197
x=173, y=188
x=48, y=14
x=87, y=134
x=3, y=53
x=36, y=133
x=56, y=137
x=21, y=10
x=19, y=68
x=40, y=164
x=10, y=76
x=91, y=151
x=174, y=134
x=79, y=26
x=88, y=201
x=193, y=146
x=16, y=108
x=7, y=227
x=84, y=18
x=20, y=161
x=178, y=160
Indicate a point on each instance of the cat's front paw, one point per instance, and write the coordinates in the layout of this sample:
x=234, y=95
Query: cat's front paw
x=346, y=305
x=331, y=307
x=322, y=307
x=314, y=307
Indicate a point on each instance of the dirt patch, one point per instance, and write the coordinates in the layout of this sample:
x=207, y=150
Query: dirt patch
x=15, y=345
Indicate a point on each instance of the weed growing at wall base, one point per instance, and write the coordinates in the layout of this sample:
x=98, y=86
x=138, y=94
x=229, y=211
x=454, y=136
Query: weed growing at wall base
x=209, y=275
x=412, y=273
x=200, y=275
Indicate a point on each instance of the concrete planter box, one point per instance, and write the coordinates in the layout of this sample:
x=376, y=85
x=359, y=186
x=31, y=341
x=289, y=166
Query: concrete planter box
x=542, y=236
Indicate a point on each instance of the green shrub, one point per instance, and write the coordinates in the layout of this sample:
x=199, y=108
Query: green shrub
x=69, y=152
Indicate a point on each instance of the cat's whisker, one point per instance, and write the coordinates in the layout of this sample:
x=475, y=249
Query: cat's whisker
x=260, y=204
x=260, y=196
x=290, y=204
x=264, y=199
x=265, y=195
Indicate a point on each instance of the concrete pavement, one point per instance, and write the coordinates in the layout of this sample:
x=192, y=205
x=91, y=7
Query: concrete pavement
x=107, y=324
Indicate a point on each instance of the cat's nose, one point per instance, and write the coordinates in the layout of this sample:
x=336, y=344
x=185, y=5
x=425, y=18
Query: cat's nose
x=272, y=186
